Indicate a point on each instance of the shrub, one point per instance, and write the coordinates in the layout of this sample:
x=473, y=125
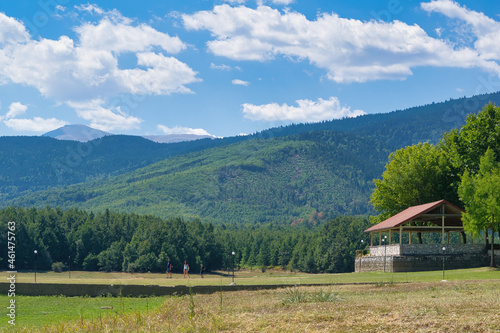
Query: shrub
x=58, y=267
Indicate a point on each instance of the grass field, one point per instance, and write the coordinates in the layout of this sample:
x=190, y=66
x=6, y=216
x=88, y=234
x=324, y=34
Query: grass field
x=255, y=277
x=468, y=302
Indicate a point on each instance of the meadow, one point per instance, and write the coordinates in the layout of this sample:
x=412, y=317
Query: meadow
x=469, y=301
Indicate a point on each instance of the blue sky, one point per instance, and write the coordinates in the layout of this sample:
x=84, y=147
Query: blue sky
x=235, y=67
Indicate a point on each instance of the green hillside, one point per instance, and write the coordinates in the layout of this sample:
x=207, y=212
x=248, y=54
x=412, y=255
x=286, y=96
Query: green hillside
x=281, y=179
x=286, y=174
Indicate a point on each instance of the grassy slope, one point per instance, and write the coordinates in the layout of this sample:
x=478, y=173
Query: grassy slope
x=252, y=181
x=459, y=305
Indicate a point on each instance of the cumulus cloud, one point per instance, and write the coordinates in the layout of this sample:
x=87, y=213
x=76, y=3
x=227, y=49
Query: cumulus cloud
x=81, y=70
x=37, y=124
x=105, y=119
x=183, y=130
x=485, y=30
x=239, y=82
x=12, y=31
x=349, y=50
x=16, y=109
x=305, y=111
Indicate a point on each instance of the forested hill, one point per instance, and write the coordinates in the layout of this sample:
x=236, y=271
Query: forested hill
x=292, y=179
x=292, y=172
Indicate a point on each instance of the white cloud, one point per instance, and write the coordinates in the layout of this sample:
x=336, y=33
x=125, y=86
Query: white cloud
x=164, y=76
x=349, y=50
x=36, y=124
x=484, y=29
x=93, y=9
x=119, y=37
x=81, y=70
x=305, y=111
x=183, y=130
x=239, y=82
x=282, y=2
x=16, y=109
x=238, y=2
x=105, y=119
x=223, y=67
x=12, y=31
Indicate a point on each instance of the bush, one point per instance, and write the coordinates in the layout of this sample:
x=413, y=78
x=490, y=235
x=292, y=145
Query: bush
x=58, y=267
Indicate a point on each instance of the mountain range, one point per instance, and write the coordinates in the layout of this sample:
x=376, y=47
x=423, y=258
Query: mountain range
x=83, y=133
x=291, y=174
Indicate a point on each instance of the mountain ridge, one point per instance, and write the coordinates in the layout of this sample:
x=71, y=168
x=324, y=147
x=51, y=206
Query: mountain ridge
x=345, y=154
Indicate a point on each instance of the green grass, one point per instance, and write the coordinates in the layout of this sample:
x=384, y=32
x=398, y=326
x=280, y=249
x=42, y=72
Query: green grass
x=256, y=277
x=43, y=310
x=470, y=306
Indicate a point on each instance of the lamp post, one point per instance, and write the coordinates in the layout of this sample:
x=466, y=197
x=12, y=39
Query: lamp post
x=385, y=250
x=444, y=249
x=233, y=265
x=361, y=257
x=36, y=252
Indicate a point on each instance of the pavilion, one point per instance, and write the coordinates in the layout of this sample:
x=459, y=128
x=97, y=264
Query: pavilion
x=439, y=216
x=400, y=247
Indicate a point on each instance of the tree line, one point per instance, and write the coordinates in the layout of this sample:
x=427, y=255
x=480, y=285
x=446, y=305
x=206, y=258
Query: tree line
x=127, y=242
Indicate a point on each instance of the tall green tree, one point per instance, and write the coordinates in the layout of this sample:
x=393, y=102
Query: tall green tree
x=415, y=175
x=481, y=195
x=466, y=145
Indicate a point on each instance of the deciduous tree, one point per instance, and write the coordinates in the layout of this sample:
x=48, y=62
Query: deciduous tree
x=481, y=195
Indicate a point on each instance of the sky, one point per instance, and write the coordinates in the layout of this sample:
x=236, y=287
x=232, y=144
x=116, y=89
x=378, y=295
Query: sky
x=232, y=67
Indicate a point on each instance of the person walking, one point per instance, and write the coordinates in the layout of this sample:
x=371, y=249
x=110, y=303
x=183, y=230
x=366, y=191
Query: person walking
x=201, y=270
x=169, y=269
x=186, y=269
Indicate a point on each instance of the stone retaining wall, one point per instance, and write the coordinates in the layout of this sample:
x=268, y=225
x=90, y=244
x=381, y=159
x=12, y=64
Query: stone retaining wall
x=415, y=263
x=385, y=250
x=425, y=249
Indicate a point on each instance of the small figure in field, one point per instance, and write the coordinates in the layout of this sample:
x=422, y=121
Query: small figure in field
x=201, y=270
x=169, y=268
x=186, y=269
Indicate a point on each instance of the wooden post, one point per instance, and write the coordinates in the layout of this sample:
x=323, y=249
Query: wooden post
x=400, y=234
x=409, y=238
x=371, y=238
x=390, y=236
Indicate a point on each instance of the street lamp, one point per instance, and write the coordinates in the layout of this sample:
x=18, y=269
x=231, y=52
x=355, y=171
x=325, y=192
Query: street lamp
x=444, y=249
x=36, y=252
x=233, y=265
x=384, y=240
x=361, y=257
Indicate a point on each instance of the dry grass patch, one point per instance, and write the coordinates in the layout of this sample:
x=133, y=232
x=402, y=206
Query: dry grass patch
x=425, y=307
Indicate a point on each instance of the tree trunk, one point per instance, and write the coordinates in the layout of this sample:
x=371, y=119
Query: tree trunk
x=464, y=237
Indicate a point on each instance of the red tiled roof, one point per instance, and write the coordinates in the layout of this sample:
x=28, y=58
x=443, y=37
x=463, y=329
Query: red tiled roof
x=408, y=215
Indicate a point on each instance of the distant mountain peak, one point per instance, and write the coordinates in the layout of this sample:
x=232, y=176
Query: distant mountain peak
x=171, y=138
x=76, y=132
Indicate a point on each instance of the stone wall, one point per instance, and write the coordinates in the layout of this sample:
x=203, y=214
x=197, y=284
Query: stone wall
x=437, y=249
x=385, y=250
x=415, y=263
x=425, y=249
